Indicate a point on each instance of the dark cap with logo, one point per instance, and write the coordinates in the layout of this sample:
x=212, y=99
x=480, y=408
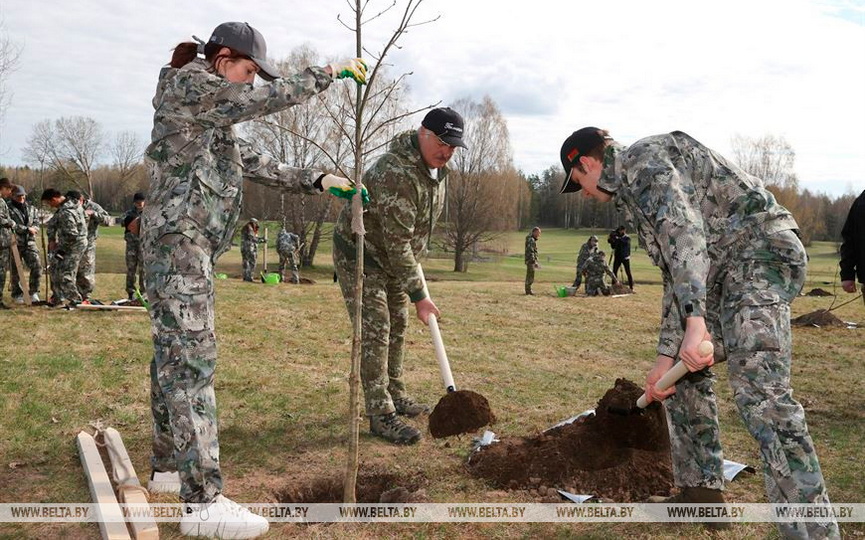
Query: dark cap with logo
x=578, y=144
x=247, y=41
x=447, y=124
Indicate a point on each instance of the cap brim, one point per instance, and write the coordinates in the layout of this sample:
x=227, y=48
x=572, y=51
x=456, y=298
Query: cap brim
x=266, y=70
x=454, y=141
x=570, y=186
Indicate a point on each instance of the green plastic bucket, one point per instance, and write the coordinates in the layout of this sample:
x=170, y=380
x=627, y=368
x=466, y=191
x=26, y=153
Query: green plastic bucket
x=561, y=291
x=220, y=275
x=271, y=278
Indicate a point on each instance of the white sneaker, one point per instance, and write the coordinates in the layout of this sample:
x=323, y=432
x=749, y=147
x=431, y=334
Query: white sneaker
x=221, y=518
x=34, y=297
x=164, y=482
x=18, y=299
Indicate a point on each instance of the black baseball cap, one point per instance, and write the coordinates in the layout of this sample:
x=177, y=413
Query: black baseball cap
x=578, y=144
x=138, y=196
x=447, y=124
x=247, y=41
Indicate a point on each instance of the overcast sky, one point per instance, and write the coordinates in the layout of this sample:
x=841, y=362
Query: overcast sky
x=790, y=68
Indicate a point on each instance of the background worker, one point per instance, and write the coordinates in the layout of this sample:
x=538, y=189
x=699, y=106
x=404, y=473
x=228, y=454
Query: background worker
x=96, y=216
x=288, y=247
x=731, y=263
x=586, y=250
x=131, y=223
x=67, y=233
x=26, y=219
x=531, y=257
x=198, y=166
x=853, y=247
x=595, y=267
x=249, y=241
x=622, y=254
x=7, y=225
x=408, y=183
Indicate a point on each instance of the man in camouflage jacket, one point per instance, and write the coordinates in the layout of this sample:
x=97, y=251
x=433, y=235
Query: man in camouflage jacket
x=586, y=250
x=406, y=187
x=288, y=246
x=732, y=263
x=595, y=267
x=249, y=241
x=131, y=223
x=67, y=240
x=7, y=225
x=531, y=258
x=96, y=216
x=27, y=219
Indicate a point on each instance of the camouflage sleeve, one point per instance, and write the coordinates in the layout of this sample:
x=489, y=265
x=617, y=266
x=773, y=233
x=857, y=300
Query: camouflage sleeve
x=665, y=197
x=100, y=214
x=6, y=220
x=51, y=228
x=214, y=102
x=396, y=204
x=609, y=272
x=670, y=337
x=263, y=169
x=67, y=228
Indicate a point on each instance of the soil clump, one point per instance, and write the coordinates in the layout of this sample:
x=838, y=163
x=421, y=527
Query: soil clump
x=819, y=292
x=462, y=411
x=819, y=318
x=624, y=458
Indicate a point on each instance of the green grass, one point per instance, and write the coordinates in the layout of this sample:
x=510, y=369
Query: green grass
x=281, y=387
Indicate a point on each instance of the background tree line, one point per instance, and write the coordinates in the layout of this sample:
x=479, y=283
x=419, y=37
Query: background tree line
x=485, y=193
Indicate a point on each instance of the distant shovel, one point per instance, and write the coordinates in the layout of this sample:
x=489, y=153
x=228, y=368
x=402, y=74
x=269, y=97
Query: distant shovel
x=679, y=370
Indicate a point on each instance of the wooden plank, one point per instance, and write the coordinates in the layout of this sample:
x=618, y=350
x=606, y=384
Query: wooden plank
x=108, y=512
x=22, y=282
x=129, y=489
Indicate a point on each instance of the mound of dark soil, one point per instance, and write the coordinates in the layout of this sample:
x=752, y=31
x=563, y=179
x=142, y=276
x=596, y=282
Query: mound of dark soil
x=619, y=457
x=459, y=412
x=819, y=292
x=620, y=288
x=372, y=486
x=819, y=318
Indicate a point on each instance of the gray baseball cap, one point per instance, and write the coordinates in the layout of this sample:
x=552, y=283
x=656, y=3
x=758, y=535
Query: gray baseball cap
x=247, y=41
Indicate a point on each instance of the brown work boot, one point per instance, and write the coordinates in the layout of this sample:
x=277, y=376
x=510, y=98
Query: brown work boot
x=697, y=495
x=406, y=406
x=390, y=428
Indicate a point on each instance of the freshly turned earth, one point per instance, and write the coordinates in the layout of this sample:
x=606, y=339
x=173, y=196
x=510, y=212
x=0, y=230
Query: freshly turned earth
x=462, y=411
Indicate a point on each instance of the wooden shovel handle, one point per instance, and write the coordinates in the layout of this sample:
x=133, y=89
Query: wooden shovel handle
x=675, y=373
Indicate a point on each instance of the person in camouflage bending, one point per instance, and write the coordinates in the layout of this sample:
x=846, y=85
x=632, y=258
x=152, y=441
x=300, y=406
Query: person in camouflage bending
x=595, y=267
x=732, y=263
x=198, y=166
x=407, y=184
x=586, y=250
x=249, y=241
x=67, y=240
x=288, y=246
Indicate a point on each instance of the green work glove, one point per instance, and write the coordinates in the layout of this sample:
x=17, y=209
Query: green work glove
x=354, y=68
x=341, y=187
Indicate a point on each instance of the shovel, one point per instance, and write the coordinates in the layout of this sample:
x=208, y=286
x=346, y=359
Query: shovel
x=679, y=370
x=264, y=272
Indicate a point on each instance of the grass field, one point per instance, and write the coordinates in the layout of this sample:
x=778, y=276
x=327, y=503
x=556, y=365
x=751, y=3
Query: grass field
x=282, y=386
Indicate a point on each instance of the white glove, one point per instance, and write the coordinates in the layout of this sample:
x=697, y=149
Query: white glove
x=354, y=68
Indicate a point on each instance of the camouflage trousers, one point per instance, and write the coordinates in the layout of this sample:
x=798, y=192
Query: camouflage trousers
x=30, y=259
x=5, y=256
x=595, y=285
x=749, y=314
x=383, y=327
x=578, y=280
x=248, y=256
x=134, y=266
x=86, y=279
x=66, y=262
x=530, y=277
x=290, y=262
x=179, y=284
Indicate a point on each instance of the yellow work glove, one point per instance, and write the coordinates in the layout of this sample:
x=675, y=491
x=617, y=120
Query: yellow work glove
x=340, y=187
x=354, y=68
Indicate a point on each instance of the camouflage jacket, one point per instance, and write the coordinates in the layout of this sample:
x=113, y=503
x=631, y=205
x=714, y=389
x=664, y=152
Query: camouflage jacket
x=287, y=242
x=531, y=254
x=249, y=239
x=595, y=267
x=127, y=218
x=99, y=217
x=690, y=207
x=24, y=216
x=586, y=251
x=198, y=164
x=68, y=226
x=7, y=224
x=405, y=203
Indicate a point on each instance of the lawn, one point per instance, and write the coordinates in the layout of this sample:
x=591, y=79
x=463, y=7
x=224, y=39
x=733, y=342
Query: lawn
x=282, y=385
